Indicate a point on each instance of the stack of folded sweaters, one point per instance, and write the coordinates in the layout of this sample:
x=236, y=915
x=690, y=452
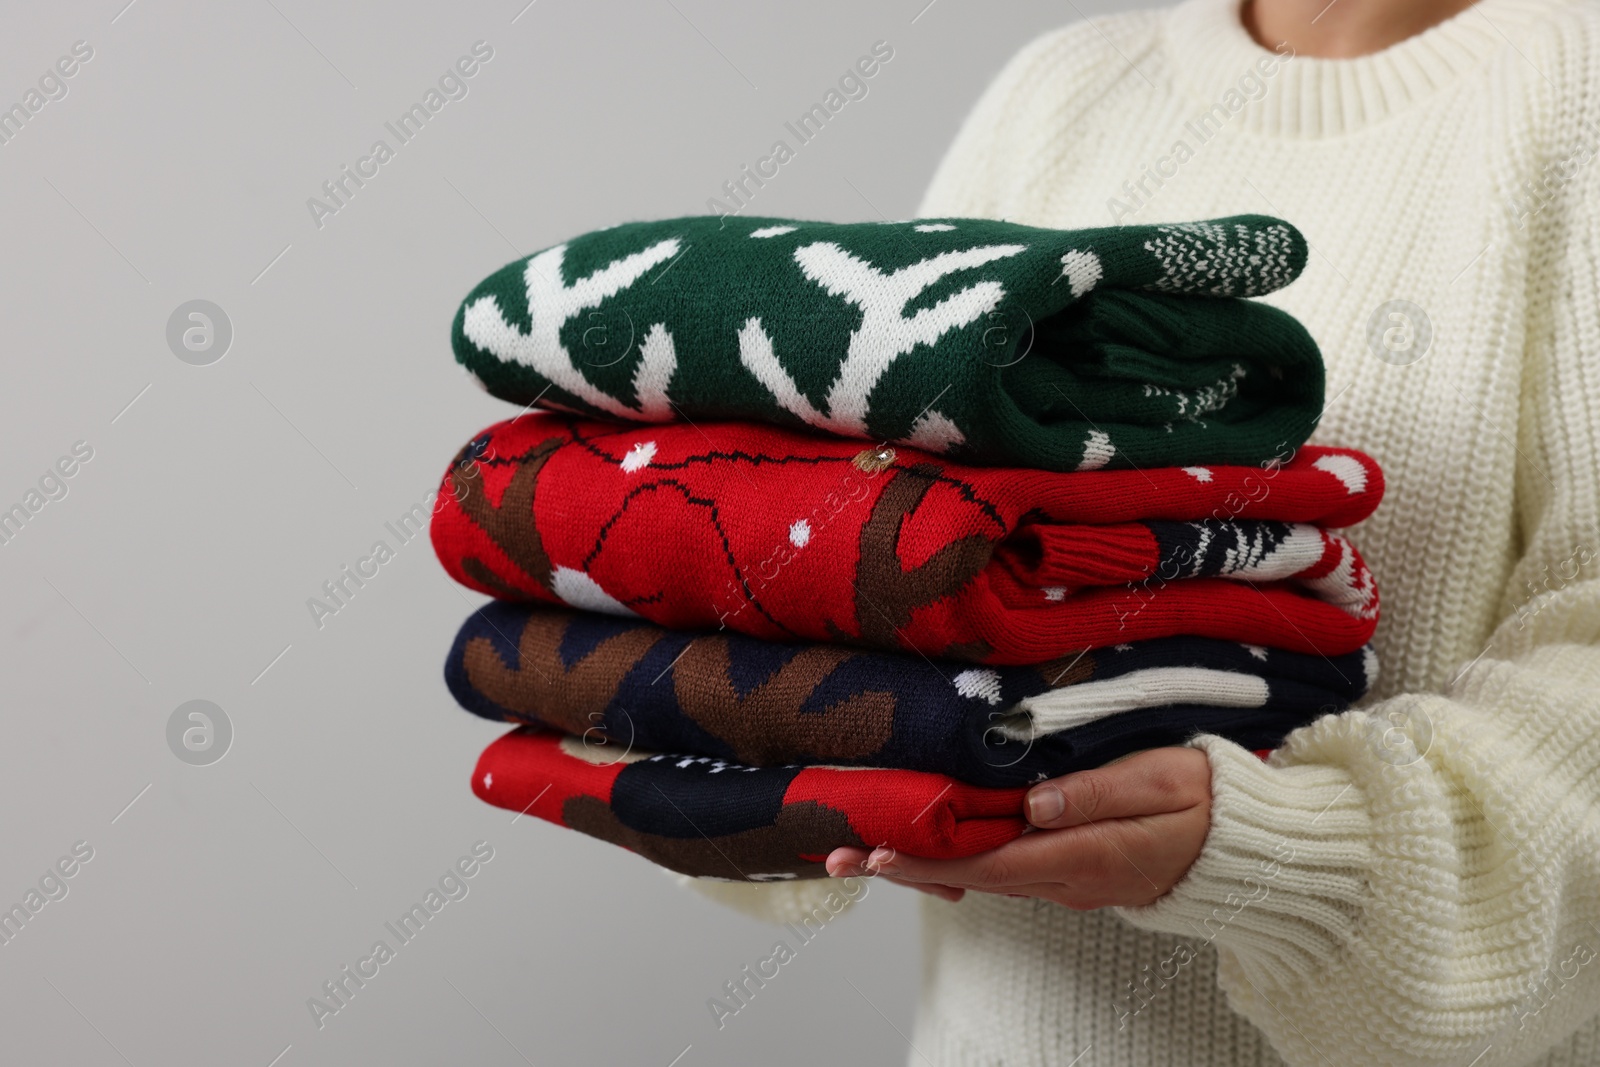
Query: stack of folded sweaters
x=844, y=534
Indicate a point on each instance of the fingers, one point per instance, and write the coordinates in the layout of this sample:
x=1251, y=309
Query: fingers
x=1122, y=834
x=1126, y=862
x=1153, y=782
x=1028, y=859
x=852, y=862
x=847, y=862
x=943, y=892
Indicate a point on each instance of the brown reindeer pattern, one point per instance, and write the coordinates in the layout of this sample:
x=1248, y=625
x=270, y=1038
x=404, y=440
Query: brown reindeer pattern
x=763, y=726
x=886, y=592
x=767, y=725
x=542, y=687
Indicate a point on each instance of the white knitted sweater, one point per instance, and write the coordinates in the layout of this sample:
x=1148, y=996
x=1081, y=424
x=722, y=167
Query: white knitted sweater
x=1417, y=882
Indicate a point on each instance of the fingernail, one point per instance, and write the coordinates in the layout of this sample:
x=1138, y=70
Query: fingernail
x=882, y=861
x=1045, y=805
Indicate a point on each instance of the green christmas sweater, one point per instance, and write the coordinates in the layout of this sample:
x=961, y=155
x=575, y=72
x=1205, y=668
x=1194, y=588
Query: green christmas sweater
x=1003, y=344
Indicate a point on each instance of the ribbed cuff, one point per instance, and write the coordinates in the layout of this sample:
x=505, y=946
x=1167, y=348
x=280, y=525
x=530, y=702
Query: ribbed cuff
x=818, y=899
x=1284, y=869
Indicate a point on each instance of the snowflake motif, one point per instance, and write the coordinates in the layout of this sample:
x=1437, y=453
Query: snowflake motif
x=980, y=683
x=488, y=780
x=1082, y=271
x=800, y=533
x=1207, y=549
x=1236, y=548
x=1190, y=405
x=712, y=764
x=1203, y=257
x=639, y=457
x=1097, y=451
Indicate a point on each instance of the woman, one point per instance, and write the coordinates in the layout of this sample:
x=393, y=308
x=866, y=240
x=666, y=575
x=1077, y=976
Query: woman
x=1417, y=882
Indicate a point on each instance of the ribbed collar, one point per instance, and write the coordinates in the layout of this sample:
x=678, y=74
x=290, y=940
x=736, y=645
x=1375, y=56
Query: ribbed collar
x=1311, y=97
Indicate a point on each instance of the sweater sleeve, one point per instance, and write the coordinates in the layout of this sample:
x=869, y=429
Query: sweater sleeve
x=782, y=902
x=1419, y=882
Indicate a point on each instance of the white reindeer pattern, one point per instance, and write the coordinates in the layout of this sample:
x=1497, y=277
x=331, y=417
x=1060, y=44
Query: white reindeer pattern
x=552, y=303
x=885, y=333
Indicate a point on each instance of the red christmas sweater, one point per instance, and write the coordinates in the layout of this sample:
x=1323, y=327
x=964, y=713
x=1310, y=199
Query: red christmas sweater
x=789, y=536
x=711, y=818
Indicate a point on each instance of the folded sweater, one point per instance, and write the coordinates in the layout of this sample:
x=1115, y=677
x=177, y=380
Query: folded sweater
x=710, y=818
x=762, y=703
x=795, y=537
x=1058, y=349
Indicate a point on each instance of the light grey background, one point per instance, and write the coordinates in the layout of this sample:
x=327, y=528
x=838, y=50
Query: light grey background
x=178, y=565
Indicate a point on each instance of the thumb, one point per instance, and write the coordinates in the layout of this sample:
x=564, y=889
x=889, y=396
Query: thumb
x=1153, y=782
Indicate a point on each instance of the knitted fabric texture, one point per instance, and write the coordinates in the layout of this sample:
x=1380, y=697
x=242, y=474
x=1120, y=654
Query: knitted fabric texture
x=791, y=536
x=711, y=818
x=1057, y=349
x=763, y=703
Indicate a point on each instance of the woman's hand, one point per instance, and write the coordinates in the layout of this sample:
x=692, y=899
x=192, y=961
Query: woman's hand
x=1122, y=834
